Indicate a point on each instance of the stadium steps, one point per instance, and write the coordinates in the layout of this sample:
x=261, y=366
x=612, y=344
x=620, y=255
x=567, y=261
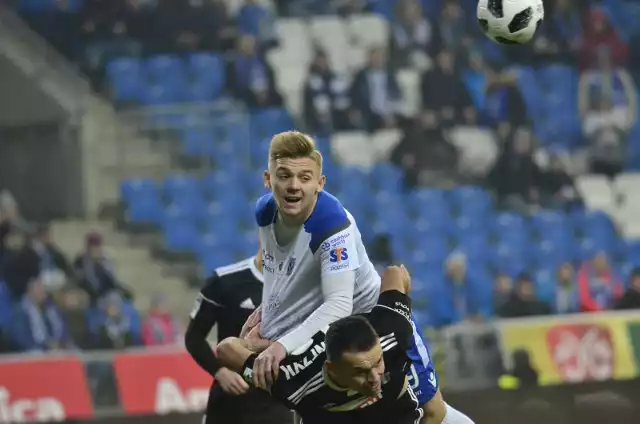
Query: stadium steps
x=134, y=265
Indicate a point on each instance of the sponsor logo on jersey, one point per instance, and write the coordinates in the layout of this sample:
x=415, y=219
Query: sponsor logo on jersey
x=267, y=257
x=325, y=246
x=338, y=255
x=247, y=375
x=291, y=370
x=290, y=266
x=338, y=240
x=268, y=268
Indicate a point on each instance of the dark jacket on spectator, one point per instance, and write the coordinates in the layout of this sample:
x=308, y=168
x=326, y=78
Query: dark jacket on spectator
x=326, y=101
x=514, y=174
x=630, y=300
x=518, y=307
x=249, y=76
x=97, y=278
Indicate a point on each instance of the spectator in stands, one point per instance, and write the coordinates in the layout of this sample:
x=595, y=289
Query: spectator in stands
x=453, y=30
x=44, y=256
x=250, y=77
x=599, y=286
x=557, y=189
x=37, y=324
x=381, y=252
x=96, y=274
x=502, y=291
x=411, y=36
x=599, y=37
x=257, y=20
x=73, y=306
x=444, y=92
x=631, y=298
x=105, y=33
x=503, y=101
x=114, y=332
x=181, y=27
x=425, y=154
x=516, y=177
x=523, y=301
x=458, y=290
x=565, y=300
x=14, y=242
x=560, y=38
x=326, y=98
x=9, y=215
x=376, y=94
x=607, y=102
x=160, y=327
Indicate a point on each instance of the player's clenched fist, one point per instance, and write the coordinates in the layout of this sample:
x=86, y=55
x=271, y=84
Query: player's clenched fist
x=231, y=382
x=396, y=275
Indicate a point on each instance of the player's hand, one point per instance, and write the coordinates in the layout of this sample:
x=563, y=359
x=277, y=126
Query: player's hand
x=253, y=320
x=398, y=274
x=255, y=342
x=231, y=382
x=266, y=366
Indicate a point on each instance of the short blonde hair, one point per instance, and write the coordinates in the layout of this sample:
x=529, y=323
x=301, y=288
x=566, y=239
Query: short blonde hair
x=293, y=145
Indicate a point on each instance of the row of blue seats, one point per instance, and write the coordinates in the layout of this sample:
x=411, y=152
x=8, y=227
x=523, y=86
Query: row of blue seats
x=166, y=79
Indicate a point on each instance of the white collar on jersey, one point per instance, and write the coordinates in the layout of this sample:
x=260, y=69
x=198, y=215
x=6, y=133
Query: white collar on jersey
x=254, y=270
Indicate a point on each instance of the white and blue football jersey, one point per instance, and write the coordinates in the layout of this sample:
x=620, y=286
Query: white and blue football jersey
x=329, y=242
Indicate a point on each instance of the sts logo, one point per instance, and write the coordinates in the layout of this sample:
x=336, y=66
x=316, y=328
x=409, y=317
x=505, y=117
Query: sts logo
x=338, y=255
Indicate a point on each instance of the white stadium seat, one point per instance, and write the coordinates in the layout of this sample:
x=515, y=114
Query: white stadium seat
x=353, y=148
x=409, y=81
x=478, y=149
x=596, y=191
x=369, y=30
x=330, y=31
x=383, y=142
x=627, y=184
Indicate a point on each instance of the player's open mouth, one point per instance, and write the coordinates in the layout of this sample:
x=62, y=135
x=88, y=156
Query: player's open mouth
x=292, y=199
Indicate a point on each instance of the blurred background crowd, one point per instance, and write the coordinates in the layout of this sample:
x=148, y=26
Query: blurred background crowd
x=504, y=177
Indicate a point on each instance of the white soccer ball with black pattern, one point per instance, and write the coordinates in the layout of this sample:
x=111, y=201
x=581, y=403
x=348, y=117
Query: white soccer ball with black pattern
x=510, y=21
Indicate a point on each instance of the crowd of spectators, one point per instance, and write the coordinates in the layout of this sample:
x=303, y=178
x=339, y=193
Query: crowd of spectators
x=48, y=303
x=446, y=46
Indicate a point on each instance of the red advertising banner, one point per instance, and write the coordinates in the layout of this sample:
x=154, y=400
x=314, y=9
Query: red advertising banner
x=43, y=389
x=161, y=383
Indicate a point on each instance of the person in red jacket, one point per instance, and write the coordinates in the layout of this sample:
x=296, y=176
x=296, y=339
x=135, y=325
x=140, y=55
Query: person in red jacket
x=599, y=286
x=601, y=37
x=160, y=327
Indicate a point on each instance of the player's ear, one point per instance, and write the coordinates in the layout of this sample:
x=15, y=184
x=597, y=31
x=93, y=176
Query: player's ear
x=321, y=183
x=266, y=177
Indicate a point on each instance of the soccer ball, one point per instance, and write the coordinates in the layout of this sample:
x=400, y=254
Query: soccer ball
x=510, y=21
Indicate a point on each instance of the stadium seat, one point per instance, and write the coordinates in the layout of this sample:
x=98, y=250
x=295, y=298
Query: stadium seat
x=596, y=192
x=369, y=30
x=126, y=79
x=180, y=236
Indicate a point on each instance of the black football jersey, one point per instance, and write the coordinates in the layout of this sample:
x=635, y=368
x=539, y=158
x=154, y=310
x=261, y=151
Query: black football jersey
x=229, y=296
x=302, y=385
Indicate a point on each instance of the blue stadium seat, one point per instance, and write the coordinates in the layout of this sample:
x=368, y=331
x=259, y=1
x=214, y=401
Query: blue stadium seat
x=178, y=186
x=267, y=122
x=180, y=236
x=198, y=140
x=145, y=210
x=126, y=77
x=386, y=176
x=138, y=187
x=471, y=201
x=208, y=74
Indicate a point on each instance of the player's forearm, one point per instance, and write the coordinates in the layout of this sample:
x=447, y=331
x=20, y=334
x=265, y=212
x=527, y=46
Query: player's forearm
x=338, y=293
x=200, y=350
x=233, y=352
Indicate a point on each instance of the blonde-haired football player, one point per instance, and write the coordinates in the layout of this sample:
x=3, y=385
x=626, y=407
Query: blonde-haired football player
x=316, y=269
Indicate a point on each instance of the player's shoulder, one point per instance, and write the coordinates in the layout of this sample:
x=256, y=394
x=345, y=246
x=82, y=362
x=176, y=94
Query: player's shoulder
x=266, y=210
x=224, y=279
x=328, y=218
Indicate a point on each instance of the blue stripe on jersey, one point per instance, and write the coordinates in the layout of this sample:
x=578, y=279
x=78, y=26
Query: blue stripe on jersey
x=328, y=218
x=266, y=210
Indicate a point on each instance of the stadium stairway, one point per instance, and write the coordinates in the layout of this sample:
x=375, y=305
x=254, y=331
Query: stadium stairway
x=134, y=265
